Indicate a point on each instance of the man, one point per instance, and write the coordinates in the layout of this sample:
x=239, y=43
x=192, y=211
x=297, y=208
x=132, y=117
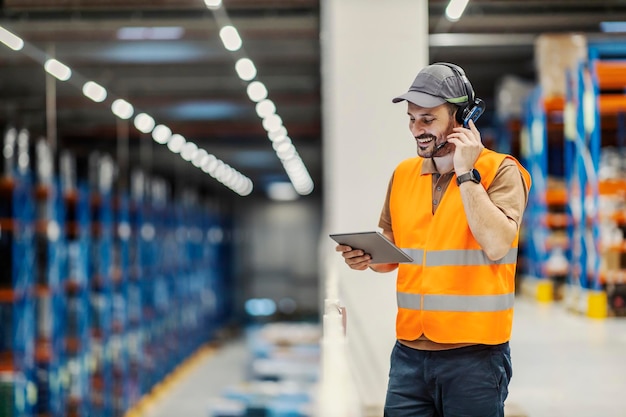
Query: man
x=456, y=208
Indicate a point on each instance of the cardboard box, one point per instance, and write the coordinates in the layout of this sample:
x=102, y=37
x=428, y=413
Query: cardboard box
x=554, y=55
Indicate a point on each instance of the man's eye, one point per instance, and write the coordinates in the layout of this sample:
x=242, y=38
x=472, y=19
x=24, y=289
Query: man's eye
x=428, y=121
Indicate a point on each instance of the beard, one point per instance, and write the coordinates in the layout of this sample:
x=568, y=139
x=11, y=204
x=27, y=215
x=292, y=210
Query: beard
x=435, y=148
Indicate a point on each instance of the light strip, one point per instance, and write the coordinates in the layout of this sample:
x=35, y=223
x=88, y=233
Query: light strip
x=455, y=9
x=58, y=69
x=245, y=69
x=94, y=91
x=122, y=109
x=11, y=40
x=230, y=38
x=265, y=108
x=161, y=134
x=613, y=27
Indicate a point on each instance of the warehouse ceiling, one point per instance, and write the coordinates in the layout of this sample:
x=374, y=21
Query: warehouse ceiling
x=189, y=83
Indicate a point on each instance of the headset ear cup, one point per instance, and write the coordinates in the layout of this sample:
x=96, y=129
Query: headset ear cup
x=460, y=114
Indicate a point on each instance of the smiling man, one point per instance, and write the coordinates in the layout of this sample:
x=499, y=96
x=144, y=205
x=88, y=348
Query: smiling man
x=456, y=208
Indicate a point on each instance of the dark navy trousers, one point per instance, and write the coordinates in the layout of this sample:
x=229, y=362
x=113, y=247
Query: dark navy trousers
x=470, y=381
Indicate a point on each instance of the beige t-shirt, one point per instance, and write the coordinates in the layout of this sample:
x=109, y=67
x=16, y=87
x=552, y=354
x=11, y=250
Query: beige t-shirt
x=508, y=191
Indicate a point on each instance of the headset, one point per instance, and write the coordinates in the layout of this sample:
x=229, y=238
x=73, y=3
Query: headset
x=474, y=107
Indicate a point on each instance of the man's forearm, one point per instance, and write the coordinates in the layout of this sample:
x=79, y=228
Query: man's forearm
x=491, y=228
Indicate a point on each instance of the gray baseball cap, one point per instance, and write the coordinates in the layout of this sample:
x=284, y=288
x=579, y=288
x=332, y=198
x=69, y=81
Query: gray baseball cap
x=434, y=85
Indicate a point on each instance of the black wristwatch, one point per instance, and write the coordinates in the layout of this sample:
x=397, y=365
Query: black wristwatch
x=473, y=175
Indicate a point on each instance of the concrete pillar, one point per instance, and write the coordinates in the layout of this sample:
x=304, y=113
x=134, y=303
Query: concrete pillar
x=371, y=51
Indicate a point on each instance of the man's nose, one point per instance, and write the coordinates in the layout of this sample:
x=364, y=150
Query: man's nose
x=417, y=130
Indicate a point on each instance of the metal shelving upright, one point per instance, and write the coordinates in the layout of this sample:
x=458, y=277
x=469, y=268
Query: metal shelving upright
x=50, y=294
x=76, y=372
x=534, y=155
x=120, y=305
x=100, y=284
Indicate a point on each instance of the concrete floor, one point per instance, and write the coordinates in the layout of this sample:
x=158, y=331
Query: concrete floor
x=565, y=365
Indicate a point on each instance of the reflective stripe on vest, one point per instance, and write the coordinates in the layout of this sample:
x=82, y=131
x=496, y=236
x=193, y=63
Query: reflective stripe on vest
x=416, y=254
x=468, y=303
x=459, y=257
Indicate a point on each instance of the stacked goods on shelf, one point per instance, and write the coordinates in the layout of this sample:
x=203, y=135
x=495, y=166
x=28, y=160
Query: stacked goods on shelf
x=613, y=227
x=546, y=241
x=598, y=107
x=556, y=222
x=608, y=66
x=580, y=235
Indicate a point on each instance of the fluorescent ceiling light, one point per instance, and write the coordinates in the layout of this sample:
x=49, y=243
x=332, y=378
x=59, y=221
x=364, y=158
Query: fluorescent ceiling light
x=277, y=143
x=278, y=134
x=613, y=27
x=455, y=9
x=257, y=91
x=94, y=91
x=144, y=123
x=230, y=38
x=189, y=151
x=150, y=33
x=286, y=152
x=213, y=4
x=200, y=158
x=272, y=123
x=207, y=163
x=245, y=69
x=284, y=147
x=122, y=109
x=58, y=69
x=176, y=143
x=212, y=166
x=265, y=108
x=246, y=189
x=9, y=39
x=161, y=134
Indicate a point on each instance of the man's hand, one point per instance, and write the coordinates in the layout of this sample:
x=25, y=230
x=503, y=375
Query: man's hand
x=354, y=258
x=468, y=146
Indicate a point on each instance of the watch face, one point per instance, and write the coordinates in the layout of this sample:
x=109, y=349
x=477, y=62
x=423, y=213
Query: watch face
x=475, y=176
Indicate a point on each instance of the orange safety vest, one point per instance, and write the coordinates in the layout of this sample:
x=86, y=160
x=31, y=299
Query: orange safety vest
x=452, y=292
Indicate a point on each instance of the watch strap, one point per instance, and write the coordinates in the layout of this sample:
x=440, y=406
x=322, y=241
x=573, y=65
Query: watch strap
x=468, y=176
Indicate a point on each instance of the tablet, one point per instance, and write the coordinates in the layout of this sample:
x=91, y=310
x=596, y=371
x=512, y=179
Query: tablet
x=381, y=249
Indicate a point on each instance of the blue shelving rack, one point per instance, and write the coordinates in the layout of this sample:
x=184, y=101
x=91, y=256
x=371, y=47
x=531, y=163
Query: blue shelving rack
x=137, y=245
x=101, y=298
x=76, y=369
x=535, y=159
x=582, y=154
x=122, y=388
x=50, y=297
x=17, y=303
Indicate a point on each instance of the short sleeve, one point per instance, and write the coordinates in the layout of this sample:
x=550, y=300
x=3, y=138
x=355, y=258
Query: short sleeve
x=508, y=191
x=385, y=216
